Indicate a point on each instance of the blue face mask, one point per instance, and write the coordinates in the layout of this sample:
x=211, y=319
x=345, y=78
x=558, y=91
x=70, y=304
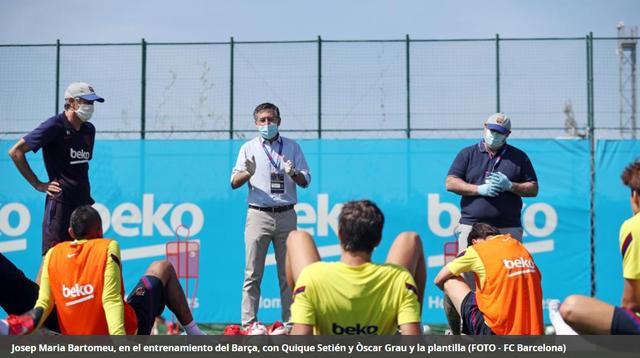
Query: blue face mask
x=493, y=139
x=268, y=131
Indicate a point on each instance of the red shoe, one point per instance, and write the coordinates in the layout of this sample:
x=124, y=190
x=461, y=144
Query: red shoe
x=19, y=325
x=278, y=329
x=172, y=329
x=233, y=330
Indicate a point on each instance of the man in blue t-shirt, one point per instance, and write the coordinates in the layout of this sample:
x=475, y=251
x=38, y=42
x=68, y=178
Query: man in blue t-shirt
x=67, y=145
x=491, y=177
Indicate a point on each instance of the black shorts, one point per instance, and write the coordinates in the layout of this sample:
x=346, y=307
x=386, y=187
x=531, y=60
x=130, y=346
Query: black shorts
x=19, y=294
x=55, y=223
x=625, y=321
x=472, y=318
x=147, y=300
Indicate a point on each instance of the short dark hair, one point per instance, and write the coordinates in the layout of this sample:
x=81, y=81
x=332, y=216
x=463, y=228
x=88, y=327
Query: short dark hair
x=360, y=224
x=631, y=176
x=84, y=221
x=481, y=231
x=264, y=106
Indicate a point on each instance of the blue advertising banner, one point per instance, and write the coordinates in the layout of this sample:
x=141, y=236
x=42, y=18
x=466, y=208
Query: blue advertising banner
x=145, y=189
x=612, y=208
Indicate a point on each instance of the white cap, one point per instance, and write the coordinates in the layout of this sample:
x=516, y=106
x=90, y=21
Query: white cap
x=499, y=122
x=82, y=90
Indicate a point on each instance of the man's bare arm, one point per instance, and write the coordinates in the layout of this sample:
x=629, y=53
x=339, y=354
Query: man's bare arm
x=460, y=187
x=410, y=329
x=17, y=154
x=631, y=294
x=526, y=189
x=239, y=179
x=301, y=329
x=442, y=277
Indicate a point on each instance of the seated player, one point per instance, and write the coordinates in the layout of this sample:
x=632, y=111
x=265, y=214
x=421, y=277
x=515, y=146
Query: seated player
x=355, y=296
x=83, y=278
x=587, y=315
x=508, y=297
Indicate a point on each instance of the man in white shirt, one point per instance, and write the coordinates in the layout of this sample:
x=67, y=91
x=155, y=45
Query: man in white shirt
x=273, y=166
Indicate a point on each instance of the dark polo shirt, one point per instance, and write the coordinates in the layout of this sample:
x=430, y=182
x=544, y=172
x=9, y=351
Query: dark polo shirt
x=473, y=164
x=66, y=154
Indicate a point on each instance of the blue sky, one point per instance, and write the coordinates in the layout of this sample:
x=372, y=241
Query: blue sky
x=73, y=21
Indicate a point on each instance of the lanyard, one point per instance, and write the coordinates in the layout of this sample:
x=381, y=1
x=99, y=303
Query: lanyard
x=493, y=167
x=273, y=162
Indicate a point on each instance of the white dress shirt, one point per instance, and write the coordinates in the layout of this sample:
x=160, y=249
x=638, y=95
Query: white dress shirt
x=260, y=183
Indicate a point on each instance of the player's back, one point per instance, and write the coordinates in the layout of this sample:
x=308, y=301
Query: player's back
x=354, y=300
x=76, y=276
x=511, y=296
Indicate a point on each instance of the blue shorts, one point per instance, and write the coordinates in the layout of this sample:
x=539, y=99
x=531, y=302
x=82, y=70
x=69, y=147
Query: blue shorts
x=148, y=301
x=55, y=223
x=625, y=321
x=472, y=318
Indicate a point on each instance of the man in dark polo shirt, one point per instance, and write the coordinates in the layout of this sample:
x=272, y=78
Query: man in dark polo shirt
x=492, y=177
x=67, y=147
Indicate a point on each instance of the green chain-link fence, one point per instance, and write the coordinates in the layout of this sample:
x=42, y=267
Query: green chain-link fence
x=551, y=87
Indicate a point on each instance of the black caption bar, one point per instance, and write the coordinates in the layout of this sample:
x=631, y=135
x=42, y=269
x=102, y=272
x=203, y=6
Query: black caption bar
x=329, y=347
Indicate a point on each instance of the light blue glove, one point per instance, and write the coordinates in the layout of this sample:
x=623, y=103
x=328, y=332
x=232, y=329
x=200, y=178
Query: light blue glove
x=489, y=189
x=500, y=180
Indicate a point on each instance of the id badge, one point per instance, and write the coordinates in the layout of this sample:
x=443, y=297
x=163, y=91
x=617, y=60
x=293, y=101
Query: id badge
x=277, y=183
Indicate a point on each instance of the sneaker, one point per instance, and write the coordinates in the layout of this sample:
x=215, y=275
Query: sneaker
x=278, y=329
x=256, y=329
x=549, y=331
x=554, y=305
x=426, y=329
x=173, y=329
x=233, y=330
x=19, y=325
x=560, y=327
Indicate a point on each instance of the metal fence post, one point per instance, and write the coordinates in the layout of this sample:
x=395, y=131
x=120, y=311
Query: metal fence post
x=57, y=76
x=231, y=49
x=497, y=73
x=143, y=91
x=319, y=87
x=592, y=162
x=408, y=61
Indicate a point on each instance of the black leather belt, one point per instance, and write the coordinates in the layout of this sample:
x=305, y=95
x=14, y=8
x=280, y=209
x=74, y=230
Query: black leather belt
x=275, y=209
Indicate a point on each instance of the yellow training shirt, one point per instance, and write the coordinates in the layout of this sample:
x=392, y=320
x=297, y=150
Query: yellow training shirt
x=630, y=248
x=469, y=261
x=339, y=299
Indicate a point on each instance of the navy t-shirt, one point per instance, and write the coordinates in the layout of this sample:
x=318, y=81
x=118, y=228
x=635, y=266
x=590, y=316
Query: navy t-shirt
x=473, y=164
x=66, y=154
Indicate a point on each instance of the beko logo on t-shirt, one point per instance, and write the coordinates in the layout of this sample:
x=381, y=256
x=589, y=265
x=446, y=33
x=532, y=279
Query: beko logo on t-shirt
x=79, y=154
x=520, y=262
x=81, y=292
x=519, y=266
x=358, y=329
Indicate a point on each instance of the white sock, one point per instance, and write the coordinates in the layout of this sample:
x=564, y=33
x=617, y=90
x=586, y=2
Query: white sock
x=4, y=328
x=561, y=327
x=193, y=329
